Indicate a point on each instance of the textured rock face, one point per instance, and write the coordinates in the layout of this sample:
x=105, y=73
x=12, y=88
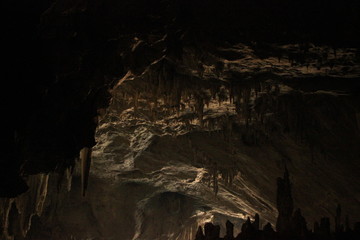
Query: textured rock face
x=156, y=179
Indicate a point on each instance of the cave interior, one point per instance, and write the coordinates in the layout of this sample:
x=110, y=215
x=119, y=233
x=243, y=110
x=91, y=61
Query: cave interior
x=150, y=119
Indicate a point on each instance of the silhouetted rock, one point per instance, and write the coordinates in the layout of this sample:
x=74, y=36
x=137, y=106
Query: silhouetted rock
x=229, y=231
x=298, y=225
x=247, y=231
x=316, y=227
x=338, y=226
x=199, y=234
x=268, y=228
x=357, y=227
x=347, y=223
x=212, y=232
x=268, y=232
x=322, y=231
x=284, y=203
x=291, y=228
x=256, y=222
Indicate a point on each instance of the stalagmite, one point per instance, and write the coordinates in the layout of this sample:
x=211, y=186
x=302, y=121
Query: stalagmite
x=256, y=222
x=347, y=223
x=212, y=232
x=298, y=224
x=229, y=231
x=199, y=234
x=325, y=226
x=284, y=202
x=247, y=230
x=338, y=226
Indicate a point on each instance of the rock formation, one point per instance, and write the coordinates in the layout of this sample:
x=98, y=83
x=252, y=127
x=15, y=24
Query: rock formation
x=284, y=203
x=296, y=228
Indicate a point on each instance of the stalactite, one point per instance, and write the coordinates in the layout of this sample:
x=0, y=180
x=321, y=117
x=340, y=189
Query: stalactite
x=260, y=105
x=5, y=206
x=242, y=104
x=68, y=177
x=24, y=206
x=136, y=100
x=199, y=108
x=85, y=158
x=215, y=179
x=32, y=202
x=231, y=93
